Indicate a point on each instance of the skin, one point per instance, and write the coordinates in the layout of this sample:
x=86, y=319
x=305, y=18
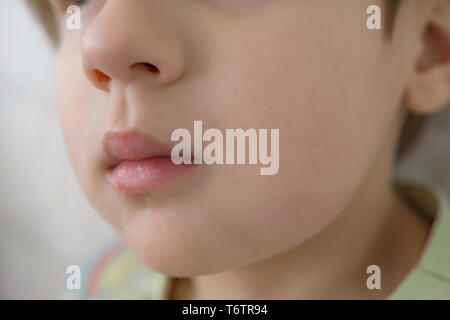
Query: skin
x=310, y=68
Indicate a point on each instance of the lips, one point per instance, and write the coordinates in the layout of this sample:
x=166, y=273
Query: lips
x=137, y=162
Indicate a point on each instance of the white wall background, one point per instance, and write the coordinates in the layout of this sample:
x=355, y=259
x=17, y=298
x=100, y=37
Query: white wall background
x=45, y=222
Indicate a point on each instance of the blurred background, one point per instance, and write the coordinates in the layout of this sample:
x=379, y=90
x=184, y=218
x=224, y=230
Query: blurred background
x=46, y=223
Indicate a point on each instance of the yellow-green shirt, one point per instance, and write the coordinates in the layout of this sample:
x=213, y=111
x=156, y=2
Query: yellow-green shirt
x=430, y=278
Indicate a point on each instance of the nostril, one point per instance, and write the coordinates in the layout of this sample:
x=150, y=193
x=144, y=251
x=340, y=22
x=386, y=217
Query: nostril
x=101, y=77
x=151, y=67
x=148, y=66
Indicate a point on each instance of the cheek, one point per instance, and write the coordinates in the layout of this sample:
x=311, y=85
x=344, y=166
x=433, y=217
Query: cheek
x=83, y=123
x=70, y=102
x=78, y=116
x=331, y=107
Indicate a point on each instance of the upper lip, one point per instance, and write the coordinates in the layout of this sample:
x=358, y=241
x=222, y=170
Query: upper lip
x=121, y=145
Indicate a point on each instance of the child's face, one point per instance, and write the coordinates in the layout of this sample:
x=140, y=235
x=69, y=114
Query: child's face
x=311, y=69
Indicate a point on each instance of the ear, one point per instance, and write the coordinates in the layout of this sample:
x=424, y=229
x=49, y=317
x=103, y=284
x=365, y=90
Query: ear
x=429, y=86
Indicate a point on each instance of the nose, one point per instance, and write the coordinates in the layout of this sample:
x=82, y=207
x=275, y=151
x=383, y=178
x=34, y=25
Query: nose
x=127, y=41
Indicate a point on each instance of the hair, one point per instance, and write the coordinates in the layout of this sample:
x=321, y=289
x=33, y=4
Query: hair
x=43, y=12
x=413, y=123
x=392, y=10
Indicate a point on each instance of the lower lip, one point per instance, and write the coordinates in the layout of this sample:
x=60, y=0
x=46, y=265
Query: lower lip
x=134, y=176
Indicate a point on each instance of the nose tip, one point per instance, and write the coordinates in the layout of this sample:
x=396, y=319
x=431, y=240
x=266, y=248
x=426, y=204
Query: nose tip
x=103, y=66
x=137, y=49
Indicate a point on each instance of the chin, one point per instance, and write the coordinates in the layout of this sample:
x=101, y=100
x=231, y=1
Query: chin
x=169, y=245
x=176, y=261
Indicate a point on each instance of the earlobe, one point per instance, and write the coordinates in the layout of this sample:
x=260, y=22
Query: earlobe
x=429, y=88
x=429, y=91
